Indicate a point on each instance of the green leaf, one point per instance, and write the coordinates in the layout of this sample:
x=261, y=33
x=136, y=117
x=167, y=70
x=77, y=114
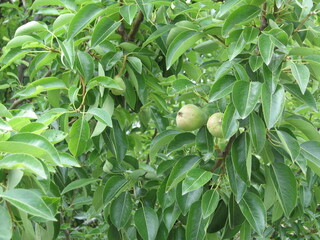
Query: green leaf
x=285, y=185
x=221, y=87
x=106, y=82
x=128, y=12
x=13, y=55
x=204, y=140
x=257, y=132
x=103, y=30
x=238, y=186
x=311, y=151
x=112, y=187
x=303, y=51
x=242, y=14
x=6, y=224
x=78, y=137
x=180, y=170
x=30, y=27
x=290, y=144
x=254, y=211
x=40, y=142
x=241, y=156
x=24, y=162
x=44, y=84
x=160, y=141
x=101, y=115
x=29, y=202
x=195, y=179
x=302, y=74
x=146, y=222
x=180, y=44
x=86, y=15
x=136, y=63
x=255, y=62
x=272, y=104
x=230, y=125
x=120, y=210
x=266, y=48
x=245, y=96
x=157, y=33
x=209, y=202
x=85, y=65
x=19, y=41
x=226, y=6
x=116, y=140
x=78, y=184
x=235, y=48
x=305, y=126
x=195, y=229
x=68, y=160
x=185, y=201
x=180, y=141
x=306, y=98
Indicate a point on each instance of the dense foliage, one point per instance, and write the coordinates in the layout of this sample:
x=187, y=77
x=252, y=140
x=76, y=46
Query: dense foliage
x=85, y=155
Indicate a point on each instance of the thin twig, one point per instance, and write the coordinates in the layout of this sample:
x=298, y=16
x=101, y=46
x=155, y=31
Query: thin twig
x=16, y=103
x=303, y=22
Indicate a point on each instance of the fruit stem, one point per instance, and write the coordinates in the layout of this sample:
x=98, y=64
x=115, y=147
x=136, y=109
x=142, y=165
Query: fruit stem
x=123, y=65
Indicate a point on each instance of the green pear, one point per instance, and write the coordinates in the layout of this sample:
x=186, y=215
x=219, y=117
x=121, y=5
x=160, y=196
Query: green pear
x=190, y=118
x=214, y=124
x=121, y=83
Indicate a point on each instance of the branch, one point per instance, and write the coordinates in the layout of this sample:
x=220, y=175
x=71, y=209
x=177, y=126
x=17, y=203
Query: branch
x=264, y=21
x=16, y=103
x=135, y=26
x=222, y=156
x=121, y=30
x=303, y=22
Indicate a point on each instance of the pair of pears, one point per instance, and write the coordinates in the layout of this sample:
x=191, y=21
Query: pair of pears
x=190, y=117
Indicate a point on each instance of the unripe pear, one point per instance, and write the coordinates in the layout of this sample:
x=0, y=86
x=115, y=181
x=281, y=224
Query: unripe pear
x=214, y=124
x=121, y=83
x=190, y=118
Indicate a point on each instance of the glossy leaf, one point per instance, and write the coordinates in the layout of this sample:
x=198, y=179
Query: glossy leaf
x=195, y=179
x=120, y=210
x=230, y=124
x=209, y=203
x=101, y=115
x=24, y=162
x=180, y=170
x=85, y=65
x=147, y=223
x=285, y=185
x=83, y=18
x=160, y=141
x=221, y=87
x=257, y=132
x=305, y=126
x=77, y=184
x=311, y=151
x=306, y=98
x=254, y=211
x=245, y=96
x=180, y=45
x=238, y=186
x=103, y=30
x=128, y=12
x=289, y=144
x=112, y=187
x=195, y=228
x=79, y=135
x=302, y=74
x=38, y=141
x=6, y=224
x=266, y=48
x=272, y=105
x=240, y=15
x=29, y=202
x=241, y=156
